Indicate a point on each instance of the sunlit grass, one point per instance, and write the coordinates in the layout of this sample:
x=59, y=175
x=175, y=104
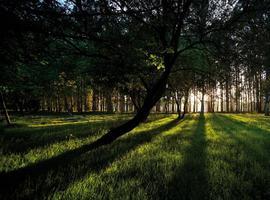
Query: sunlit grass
x=38, y=138
x=238, y=157
x=216, y=156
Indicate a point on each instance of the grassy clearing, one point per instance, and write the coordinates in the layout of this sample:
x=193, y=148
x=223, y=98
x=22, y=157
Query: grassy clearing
x=218, y=156
x=38, y=138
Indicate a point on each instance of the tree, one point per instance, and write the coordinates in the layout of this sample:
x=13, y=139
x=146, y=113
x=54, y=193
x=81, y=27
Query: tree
x=127, y=38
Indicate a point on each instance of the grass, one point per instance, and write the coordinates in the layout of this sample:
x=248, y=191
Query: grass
x=216, y=156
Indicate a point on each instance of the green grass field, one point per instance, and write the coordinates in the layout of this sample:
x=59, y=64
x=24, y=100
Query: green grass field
x=216, y=156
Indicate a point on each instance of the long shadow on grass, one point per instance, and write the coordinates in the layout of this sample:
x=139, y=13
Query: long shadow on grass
x=245, y=135
x=21, y=140
x=247, y=126
x=190, y=180
x=254, y=143
x=55, y=174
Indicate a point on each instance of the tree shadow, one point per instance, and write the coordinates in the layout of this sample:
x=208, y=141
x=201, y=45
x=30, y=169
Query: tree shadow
x=242, y=124
x=160, y=173
x=190, y=180
x=250, y=152
x=56, y=174
x=246, y=136
x=24, y=139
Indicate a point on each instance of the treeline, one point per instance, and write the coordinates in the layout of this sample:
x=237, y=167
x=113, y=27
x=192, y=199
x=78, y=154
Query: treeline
x=238, y=93
x=135, y=56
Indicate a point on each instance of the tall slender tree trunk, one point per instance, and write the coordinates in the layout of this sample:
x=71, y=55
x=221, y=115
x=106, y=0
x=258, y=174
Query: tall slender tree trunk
x=49, y=105
x=109, y=104
x=227, y=96
x=158, y=106
x=194, y=101
x=4, y=108
x=266, y=107
x=221, y=97
x=58, y=102
x=166, y=106
x=213, y=100
x=267, y=93
x=173, y=103
x=185, y=104
x=79, y=96
x=177, y=99
x=250, y=95
x=95, y=100
x=127, y=104
x=202, y=102
x=237, y=96
x=122, y=103
x=254, y=96
x=261, y=93
x=258, y=104
x=86, y=108
x=178, y=106
x=71, y=104
x=248, y=98
x=66, y=103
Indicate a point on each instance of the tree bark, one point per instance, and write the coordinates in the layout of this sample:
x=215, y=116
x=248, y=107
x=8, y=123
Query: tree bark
x=185, y=104
x=266, y=107
x=202, y=102
x=150, y=100
x=178, y=106
x=194, y=101
x=237, y=91
x=227, y=96
x=85, y=99
x=221, y=97
x=267, y=93
x=158, y=106
x=122, y=103
x=94, y=100
x=109, y=104
x=173, y=103
x=5, y=112
x=135, y=97
x=258, y=107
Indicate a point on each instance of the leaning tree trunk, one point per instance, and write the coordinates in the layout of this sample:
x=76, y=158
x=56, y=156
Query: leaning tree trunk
x=5, y=112
x=151, y=99
x=136, y=99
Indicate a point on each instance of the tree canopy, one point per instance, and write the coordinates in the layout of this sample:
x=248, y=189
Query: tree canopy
x=135, y=55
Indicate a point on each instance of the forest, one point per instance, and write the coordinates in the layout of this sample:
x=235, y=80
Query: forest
x=135, y=99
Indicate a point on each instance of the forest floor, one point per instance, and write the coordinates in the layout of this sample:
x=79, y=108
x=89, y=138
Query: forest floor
x=215, y=156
